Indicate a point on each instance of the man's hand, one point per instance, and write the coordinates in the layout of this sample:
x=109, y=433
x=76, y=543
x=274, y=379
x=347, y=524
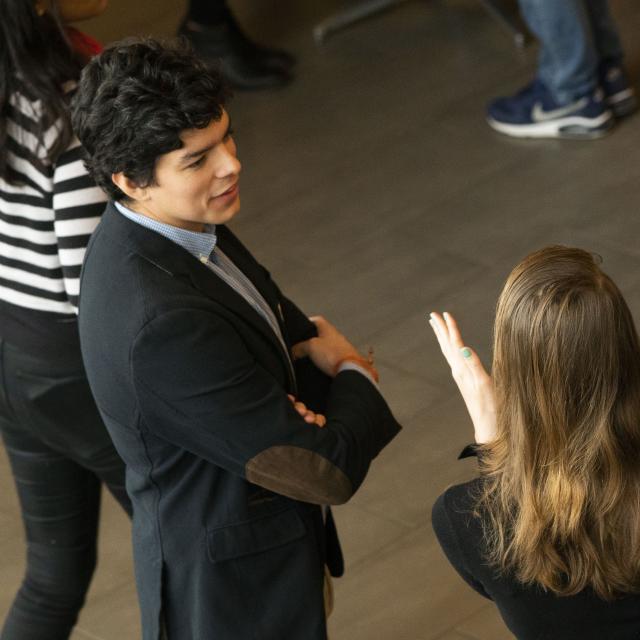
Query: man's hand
x=309, y=416
x=474, y=382
x=330, y=349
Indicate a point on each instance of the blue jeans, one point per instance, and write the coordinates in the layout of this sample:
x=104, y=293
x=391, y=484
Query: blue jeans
x=576, y=36
x=60, y=454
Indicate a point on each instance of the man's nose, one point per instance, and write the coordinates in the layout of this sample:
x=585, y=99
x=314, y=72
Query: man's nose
x=229, y=163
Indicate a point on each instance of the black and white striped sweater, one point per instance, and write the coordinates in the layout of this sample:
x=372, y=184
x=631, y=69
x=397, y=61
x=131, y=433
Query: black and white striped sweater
x=45, y=225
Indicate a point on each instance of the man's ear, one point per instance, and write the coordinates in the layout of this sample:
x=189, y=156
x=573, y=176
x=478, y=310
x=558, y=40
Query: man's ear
x=129, y=187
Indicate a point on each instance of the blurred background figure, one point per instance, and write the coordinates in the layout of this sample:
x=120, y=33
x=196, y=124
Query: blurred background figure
x=549, y=531
x=581, y=85
x=59, y=450
x=215, y=35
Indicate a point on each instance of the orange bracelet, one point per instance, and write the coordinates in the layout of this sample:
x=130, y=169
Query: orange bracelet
x=362, y=362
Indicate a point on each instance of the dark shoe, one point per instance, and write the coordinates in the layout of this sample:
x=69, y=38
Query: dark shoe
x=534, y=113
x=618, y=94
x=272, y=58
x=244, y=64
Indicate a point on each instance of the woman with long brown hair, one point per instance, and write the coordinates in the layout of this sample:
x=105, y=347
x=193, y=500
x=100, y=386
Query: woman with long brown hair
x=551, y=529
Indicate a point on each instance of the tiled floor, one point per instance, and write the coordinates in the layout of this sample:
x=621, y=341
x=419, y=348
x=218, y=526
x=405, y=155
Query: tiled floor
x=375, y=193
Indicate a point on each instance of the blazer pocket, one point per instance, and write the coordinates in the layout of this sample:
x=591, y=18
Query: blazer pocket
x=254, y=536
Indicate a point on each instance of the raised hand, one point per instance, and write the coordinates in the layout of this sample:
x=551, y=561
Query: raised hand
x=474, y=383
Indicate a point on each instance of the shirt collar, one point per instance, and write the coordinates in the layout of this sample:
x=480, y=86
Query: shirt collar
x=198, y=244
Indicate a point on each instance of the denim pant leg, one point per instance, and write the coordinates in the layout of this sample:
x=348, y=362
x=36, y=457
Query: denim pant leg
x=568, y=60
x=605, y=32
x=59, y=452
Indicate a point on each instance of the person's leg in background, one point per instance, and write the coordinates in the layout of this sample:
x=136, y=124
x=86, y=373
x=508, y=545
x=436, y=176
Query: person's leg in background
x=215, y=35
x=60, y=502
x=59, y=452
x=564, y=100
x=567, y=62
x=619, y=94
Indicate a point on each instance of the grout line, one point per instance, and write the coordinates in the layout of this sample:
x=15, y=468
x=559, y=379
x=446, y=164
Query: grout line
x=376, y=553
x=446, y=631
x=87, y=634
x=405, y=524
x=464, y=634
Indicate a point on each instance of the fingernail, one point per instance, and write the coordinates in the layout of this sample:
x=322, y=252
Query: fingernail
x=466, y=352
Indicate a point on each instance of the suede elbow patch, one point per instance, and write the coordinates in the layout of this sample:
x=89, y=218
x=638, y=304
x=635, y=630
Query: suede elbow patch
x=299, y=474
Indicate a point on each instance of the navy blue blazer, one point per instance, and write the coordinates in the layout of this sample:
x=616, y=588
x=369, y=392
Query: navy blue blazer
x=225, y=477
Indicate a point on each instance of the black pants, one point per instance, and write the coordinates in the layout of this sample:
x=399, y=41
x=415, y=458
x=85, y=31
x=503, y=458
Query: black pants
x=208, y=12
x=60, y=454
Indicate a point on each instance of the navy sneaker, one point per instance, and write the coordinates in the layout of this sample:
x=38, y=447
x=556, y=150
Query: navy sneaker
x=533, y=113
x=618, y=94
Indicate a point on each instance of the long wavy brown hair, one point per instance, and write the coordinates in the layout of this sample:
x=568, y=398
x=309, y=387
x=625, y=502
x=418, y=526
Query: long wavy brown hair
x=561, y=497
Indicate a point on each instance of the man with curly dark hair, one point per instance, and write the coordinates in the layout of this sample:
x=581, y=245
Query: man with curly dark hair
x=194, y=356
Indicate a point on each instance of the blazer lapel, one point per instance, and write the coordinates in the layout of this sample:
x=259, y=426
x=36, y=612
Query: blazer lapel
x=178, y=262
x=230, y=244
x=215, y=288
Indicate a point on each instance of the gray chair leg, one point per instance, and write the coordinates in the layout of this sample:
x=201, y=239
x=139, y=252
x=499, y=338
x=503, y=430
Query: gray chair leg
x=366, y=8
x=356, y=13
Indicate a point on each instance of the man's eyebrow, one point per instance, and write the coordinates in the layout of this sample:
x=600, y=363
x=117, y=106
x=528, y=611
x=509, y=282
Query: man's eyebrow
x=194, y=154
x=198, y=152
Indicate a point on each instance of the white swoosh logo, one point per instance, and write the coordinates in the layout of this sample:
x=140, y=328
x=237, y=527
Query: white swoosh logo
x=538, y=114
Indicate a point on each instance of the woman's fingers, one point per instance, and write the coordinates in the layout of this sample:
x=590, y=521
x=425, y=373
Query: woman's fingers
x=455, y=339
x=463, y=360
x=442, y=334
x=448, y=334
x=472, y=379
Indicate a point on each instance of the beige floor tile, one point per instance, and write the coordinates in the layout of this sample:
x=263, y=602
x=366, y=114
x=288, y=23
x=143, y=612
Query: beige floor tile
x=403, y=593
x=9, y=502
x=112, y=615
x=452, y=635
x=363, y=534
x=81, y=634
x=420, y=464
x=485, y=624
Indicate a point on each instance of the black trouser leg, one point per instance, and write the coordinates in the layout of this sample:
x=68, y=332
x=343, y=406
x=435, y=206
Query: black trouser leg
x=59, y=452
x=60, y=502
x=207, y=12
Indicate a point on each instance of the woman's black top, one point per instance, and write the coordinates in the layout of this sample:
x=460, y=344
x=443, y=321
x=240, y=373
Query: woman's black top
x=529, y=612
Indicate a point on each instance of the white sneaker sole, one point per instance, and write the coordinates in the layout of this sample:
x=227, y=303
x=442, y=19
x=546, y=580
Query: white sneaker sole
x=568, y=127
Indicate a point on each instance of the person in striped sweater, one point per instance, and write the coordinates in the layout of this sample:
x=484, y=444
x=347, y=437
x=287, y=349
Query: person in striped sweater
x=59, y=450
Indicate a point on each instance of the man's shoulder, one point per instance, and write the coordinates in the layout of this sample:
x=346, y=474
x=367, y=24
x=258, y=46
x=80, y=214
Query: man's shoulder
x=127, y=271
x=122, y=246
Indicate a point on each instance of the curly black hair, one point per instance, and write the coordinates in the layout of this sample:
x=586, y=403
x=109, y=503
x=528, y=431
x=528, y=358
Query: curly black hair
x=133, y=102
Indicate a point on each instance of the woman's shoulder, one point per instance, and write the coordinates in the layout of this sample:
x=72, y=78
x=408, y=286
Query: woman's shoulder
x=462, y=495
x=458, y=504
x=41, y=136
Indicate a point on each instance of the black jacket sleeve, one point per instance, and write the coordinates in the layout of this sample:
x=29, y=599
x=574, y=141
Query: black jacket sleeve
x=201, y=388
